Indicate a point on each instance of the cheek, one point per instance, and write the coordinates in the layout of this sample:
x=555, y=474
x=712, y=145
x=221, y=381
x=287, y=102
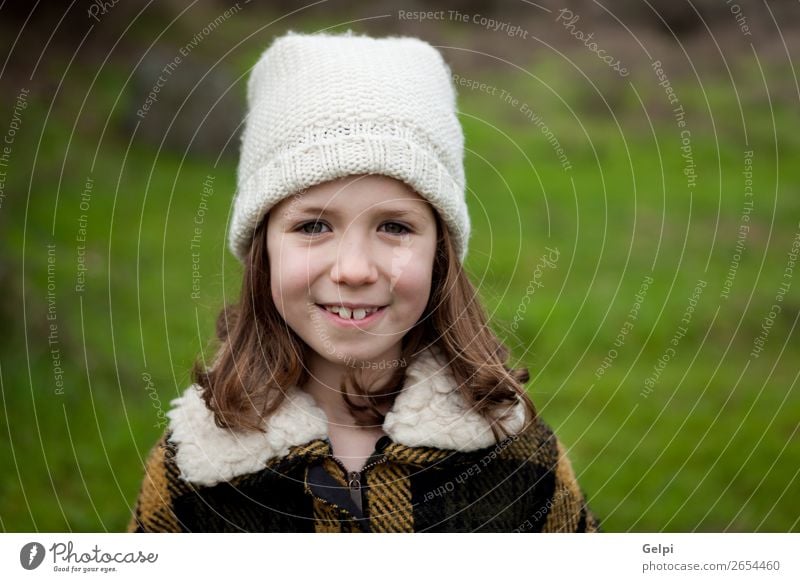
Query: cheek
x=412, y=281
x=411, y=271
x=289, y=280
x=289, y=275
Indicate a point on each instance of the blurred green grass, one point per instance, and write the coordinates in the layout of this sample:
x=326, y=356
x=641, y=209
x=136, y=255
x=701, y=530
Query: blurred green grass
x=709, y=450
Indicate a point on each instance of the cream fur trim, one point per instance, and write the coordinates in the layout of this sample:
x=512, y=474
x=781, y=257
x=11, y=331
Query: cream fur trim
x=428, y=412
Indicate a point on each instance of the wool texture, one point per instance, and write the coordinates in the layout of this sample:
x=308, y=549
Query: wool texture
x=326, y=106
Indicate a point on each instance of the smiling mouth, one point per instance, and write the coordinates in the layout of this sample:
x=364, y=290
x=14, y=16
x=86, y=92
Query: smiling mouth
x=350, y=314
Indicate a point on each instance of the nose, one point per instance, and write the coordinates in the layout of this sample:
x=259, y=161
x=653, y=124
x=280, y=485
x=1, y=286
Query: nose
x=354, y=263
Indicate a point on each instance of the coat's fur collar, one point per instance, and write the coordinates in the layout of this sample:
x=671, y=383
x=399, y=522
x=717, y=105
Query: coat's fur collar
x=428, y=412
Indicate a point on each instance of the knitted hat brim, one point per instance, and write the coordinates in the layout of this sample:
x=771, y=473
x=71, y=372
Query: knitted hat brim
x=343, y=156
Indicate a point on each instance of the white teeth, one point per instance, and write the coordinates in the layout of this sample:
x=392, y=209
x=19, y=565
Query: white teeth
x=346, y=313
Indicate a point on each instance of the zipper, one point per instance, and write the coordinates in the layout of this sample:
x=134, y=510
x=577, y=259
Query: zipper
x=354, y=480
x=354, y=477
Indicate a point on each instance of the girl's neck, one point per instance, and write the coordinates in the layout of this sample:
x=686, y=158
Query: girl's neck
x=324, y=385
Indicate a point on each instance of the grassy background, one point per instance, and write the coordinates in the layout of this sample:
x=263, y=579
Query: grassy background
x=712, y=448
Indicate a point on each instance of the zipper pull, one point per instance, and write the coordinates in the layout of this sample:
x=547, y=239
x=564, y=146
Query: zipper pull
x=354, y=480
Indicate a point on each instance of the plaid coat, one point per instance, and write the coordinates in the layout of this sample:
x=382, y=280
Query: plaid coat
x=437, y=469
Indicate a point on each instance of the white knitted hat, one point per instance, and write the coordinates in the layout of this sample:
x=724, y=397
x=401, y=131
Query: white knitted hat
x=324, y=106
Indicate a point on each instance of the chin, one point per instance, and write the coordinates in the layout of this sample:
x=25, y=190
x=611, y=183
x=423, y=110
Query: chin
x=356, y=357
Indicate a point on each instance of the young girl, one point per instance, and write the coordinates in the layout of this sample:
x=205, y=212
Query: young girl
x=357, y=386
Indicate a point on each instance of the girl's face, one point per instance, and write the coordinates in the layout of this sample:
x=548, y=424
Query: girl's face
x=363, y=245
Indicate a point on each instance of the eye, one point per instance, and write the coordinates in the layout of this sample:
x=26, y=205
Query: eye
x=315, y=224
x=312, y=228
x=403, y=227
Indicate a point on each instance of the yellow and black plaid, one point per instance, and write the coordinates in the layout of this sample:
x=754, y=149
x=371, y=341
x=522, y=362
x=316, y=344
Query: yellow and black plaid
x=525, y=483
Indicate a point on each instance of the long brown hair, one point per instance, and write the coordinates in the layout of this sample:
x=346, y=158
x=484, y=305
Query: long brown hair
x=259, y=356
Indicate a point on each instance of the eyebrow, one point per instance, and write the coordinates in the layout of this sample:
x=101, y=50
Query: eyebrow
x=320, y=211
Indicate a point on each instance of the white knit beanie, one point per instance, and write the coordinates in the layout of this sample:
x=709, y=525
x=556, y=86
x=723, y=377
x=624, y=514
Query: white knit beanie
x=323, y=106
